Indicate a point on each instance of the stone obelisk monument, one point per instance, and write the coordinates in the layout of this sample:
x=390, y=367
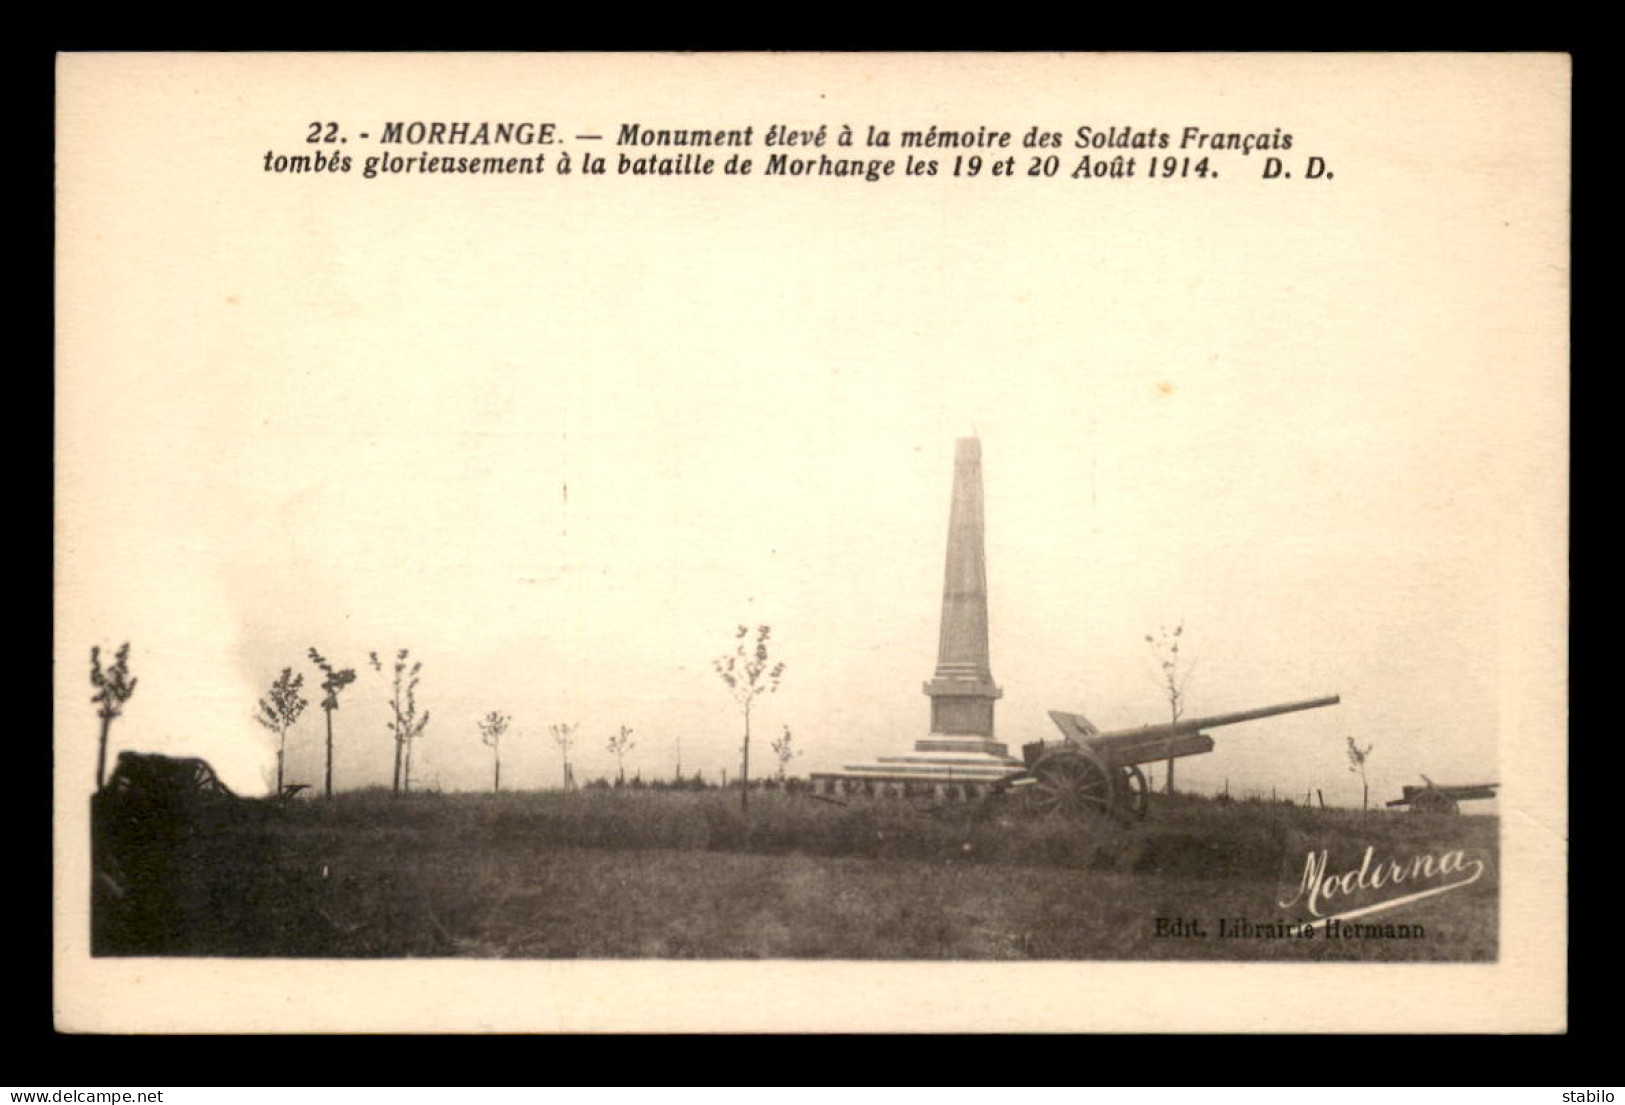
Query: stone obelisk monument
x=962, y=691
x=959, y=757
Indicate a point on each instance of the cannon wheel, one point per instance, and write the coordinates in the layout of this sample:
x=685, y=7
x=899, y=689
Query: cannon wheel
x=204, y=780
x=1136, y=792
x=1071, y=784
x=1434, y=801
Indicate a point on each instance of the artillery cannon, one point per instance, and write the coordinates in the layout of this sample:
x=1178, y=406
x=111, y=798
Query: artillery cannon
x=1437, y=798
x=1089, y=771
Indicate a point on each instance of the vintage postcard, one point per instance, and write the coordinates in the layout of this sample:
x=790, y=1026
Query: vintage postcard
x=773, y=542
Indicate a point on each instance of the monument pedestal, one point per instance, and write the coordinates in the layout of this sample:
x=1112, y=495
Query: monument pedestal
x=947, y=776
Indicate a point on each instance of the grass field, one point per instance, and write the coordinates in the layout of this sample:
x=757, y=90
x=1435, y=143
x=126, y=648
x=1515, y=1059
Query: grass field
x=623, y=873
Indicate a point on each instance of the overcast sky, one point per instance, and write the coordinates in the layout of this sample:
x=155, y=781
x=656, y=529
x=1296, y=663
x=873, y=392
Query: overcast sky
x=560, y=437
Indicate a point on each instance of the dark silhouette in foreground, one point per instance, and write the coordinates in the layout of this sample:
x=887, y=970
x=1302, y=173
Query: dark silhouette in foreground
x=181, y=866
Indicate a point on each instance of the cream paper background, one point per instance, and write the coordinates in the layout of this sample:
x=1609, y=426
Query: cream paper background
x=1325, y=423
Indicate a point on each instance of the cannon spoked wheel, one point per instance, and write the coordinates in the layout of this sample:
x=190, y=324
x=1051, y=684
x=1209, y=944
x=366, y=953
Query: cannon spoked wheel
x=1070, y=784
x=1136, y=792
x=1434, y=801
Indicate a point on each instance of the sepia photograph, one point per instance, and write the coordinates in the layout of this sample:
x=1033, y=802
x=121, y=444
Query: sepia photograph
x=535, y=532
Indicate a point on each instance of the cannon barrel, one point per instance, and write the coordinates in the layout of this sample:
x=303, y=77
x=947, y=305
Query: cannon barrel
x=1196, y=724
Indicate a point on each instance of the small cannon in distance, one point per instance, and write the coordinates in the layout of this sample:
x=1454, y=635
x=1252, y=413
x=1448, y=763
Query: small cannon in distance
x=1089, y=771
x=1438, y=798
